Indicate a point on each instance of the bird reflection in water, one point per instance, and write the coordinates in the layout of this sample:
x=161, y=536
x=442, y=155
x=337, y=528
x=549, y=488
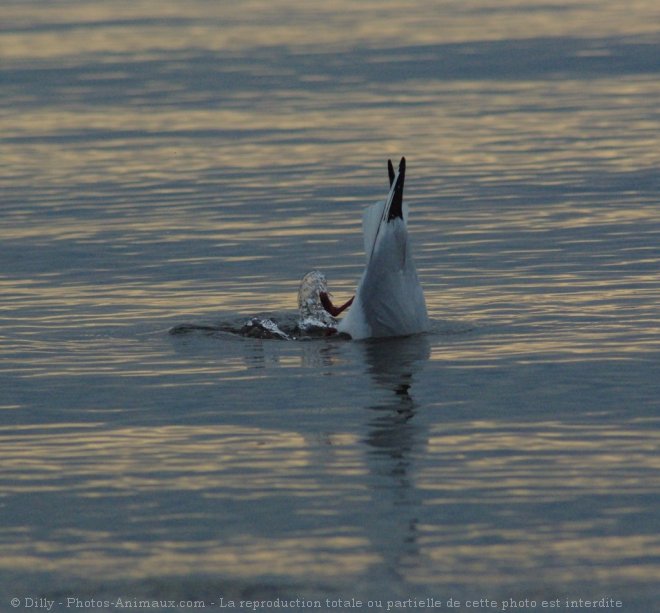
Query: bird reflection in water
x=392, y=365
x=394, y=440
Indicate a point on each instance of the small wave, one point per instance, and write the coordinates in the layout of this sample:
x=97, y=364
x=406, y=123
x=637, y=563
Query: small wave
x=264, y=326
x=444, y=327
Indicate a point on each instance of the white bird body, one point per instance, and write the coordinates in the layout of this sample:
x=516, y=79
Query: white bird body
x=389, y=300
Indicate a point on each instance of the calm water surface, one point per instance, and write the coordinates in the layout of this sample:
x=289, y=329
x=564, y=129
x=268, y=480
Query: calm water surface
x=166, y=163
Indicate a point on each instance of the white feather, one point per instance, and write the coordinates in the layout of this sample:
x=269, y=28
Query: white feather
x=389, y=300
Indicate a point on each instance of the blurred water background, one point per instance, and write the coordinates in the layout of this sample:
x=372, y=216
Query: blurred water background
x=167, y=162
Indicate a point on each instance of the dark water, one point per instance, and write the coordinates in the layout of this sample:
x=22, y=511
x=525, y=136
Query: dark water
x=169, y=163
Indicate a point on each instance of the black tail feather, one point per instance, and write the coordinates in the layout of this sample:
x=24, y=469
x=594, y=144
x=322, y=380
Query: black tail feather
x=396, y=206
x=390, y=171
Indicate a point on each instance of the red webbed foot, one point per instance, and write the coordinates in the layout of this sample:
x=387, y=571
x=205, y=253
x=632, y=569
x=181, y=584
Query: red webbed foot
x=331, y=308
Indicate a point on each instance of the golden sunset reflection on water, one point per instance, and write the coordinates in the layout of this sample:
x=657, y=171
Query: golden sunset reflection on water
x=226, y=463
x=253, y=24
x=170, y=171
